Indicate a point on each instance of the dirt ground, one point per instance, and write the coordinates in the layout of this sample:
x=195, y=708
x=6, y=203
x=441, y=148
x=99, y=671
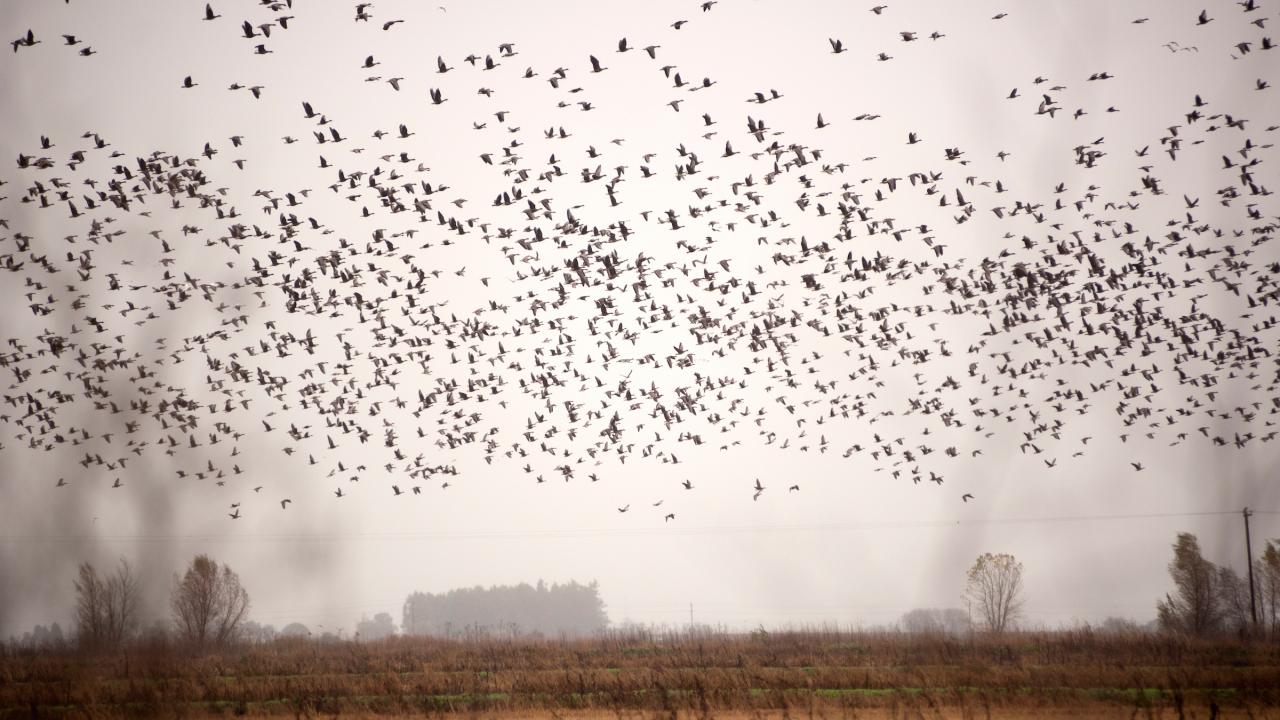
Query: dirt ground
x=1090, y=712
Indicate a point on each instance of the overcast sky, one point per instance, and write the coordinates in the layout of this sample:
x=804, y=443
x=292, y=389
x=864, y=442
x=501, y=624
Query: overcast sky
x=858, y=542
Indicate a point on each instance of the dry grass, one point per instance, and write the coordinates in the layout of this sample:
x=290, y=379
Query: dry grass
x=811, y=674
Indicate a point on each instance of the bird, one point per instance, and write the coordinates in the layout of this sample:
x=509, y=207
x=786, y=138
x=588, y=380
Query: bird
x=966, y=497
x=208, y=12
x=28, y=40
x=284, y=504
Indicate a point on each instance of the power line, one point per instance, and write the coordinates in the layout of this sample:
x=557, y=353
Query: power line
x=596, y=532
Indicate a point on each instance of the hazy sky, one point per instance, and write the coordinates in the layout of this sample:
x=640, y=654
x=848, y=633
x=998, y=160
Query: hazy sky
x=855, y=543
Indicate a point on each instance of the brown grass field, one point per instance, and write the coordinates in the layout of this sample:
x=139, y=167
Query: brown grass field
x=804, y=674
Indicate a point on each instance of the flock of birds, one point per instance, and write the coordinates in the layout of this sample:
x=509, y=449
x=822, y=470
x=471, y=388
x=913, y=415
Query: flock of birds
x=790, y=301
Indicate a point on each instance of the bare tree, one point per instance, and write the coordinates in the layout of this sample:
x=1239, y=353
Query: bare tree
x=91, y=599
x=209, y=605
x=993, y=587
x=1194, y=608
x=1268, y=571
x=106, y=610
x=122, y=606
x=1233, y=597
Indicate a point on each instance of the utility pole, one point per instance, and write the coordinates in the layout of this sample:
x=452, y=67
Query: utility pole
x=1248, y=548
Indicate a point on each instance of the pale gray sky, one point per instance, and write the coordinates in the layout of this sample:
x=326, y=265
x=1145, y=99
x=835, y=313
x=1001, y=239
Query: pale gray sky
x=855, y=544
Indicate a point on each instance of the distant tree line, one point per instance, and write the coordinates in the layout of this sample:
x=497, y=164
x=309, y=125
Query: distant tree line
x=255, y=633
x=209, y=607
x=571, y=609
x=935, y=621
x=40, y=638
x=381, y=627
x=1209, y=599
